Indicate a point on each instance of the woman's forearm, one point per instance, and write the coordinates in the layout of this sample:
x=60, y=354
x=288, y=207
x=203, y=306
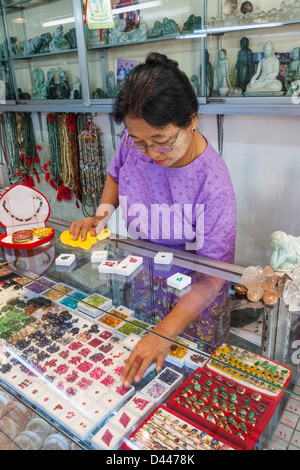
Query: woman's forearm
x=201, y=295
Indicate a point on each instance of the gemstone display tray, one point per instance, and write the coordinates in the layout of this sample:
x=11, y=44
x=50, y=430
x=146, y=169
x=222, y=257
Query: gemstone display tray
x=195, y=400
x=244, y=362
x=165, y=429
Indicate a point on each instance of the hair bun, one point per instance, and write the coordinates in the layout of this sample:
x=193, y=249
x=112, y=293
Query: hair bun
x=157, y=58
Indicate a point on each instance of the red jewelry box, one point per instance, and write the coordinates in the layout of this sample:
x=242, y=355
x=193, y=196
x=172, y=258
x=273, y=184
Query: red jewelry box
x=23, y=208
x=275, y=395
x=176, y=402
x=126, y=444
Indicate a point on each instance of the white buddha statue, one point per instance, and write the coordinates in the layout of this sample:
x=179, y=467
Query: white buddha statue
x=265, y=82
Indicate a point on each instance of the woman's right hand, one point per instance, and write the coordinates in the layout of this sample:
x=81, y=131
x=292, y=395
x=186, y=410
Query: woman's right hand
x=83, y=226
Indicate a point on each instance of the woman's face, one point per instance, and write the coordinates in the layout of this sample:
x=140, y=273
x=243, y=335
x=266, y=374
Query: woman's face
x=142, y=134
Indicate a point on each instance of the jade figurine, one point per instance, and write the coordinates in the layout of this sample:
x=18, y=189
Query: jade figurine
x=293, y=73
x=192, y=23
x=51, y=87
x=38, y=90
x=63, y=85
x=58, y=42
x=169, y=26
x=208, y=74
x=76, y=93
x=265, y=82
x=286, y=252
x=221, y=76
x=156, y=31
x=243, y=67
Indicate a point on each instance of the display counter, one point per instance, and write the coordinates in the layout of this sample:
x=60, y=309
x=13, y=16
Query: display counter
x=67, y=325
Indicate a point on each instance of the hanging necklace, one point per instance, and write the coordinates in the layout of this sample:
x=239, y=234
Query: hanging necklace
x=9, y=212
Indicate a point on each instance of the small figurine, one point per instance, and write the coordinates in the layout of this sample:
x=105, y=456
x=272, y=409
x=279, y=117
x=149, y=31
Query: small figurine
x=111, y=84
x=23, y=95
x=243, y=67
x=286, y=252
x=71, y=37
x=45, y=41
x=169, y=26
x=76, y=93
x=100, y=94
x=293, y=73
x=195, y=84
x=221, y=76
x=265, y=82
x=208, y=74
x=38, y=91
x=140, y=33
x=117, y=35
x=58, y=42
x=156, y=31
x=193, y=22
x=51, y=86
x=63, y=85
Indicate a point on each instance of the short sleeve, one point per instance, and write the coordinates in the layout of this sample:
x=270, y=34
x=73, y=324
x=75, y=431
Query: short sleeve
x=118, y=160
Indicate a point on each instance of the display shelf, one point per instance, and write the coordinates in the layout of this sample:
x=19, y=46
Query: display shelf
x=46, y=54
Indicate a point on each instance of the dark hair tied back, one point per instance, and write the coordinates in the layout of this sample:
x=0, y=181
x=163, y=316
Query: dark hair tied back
x=158, y=92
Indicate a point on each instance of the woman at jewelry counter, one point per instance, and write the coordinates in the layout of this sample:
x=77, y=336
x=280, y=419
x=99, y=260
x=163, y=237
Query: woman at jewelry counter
x=163, y=161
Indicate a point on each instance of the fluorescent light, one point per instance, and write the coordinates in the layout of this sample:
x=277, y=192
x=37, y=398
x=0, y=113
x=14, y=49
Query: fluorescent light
x=192, y=36
x=18, y=20
x=71, y=19
x=118, y=11
x=226, y=29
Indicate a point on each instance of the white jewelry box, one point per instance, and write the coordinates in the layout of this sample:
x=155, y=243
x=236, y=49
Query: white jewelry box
x=163, y=258
x=179, y=281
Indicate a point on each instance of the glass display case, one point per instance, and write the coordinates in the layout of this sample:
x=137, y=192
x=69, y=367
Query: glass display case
x=67, y=324
x=219, y=44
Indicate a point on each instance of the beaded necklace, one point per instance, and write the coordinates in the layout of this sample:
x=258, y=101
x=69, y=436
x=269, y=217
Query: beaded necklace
x=35, y=213
x=92, y=165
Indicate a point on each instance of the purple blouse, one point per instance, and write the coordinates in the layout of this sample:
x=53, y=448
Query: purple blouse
x=191, y=208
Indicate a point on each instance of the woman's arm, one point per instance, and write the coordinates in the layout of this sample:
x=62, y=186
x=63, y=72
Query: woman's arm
x=109, y=202
x=153, y=348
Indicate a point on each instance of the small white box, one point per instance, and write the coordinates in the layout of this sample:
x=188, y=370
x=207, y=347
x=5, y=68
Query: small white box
x=108, y=438
x=163, y=258
x=131, y=341
x=99, y=256
x=122, y=309
x=128, y=265
x=124, y=421
x=179, y=281
x=65, y=259
x=195, y=360
x=93, y=305
x=156, y=390
x=107, y=266
x=140, y=405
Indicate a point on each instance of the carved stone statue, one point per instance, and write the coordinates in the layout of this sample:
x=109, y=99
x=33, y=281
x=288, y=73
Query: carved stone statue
x=63, y=84
x=195, y=84
x=293, y=73
x=117, y=35
x=265, y=82
x=58, y=42
x=45, y=41
x=156, y=31
x=111, y=84
x=243, y=67
x=286, y=252
x=169, y=26
x=38, y=90
x=76, y=93
x=70, y=36
x=140, y=33
x=209, y=74
x=51, y=86
x=193, y=22
x=221, y=76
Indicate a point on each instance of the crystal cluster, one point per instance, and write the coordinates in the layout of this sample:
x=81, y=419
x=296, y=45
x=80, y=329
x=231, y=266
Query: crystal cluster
x=291, y=292
x=258, y=284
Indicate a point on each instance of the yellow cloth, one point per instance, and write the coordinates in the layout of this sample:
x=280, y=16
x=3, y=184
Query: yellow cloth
x=67, y=239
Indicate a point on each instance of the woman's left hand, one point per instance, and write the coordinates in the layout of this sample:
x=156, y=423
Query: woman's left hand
x=150, y=349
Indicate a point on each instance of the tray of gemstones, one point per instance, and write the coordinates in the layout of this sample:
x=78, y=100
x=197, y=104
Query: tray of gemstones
x=251, y=370
x=224, y=407
x=164, y=429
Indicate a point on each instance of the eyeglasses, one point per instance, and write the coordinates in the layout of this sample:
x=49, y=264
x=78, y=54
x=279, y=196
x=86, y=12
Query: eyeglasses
x=144, y=149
